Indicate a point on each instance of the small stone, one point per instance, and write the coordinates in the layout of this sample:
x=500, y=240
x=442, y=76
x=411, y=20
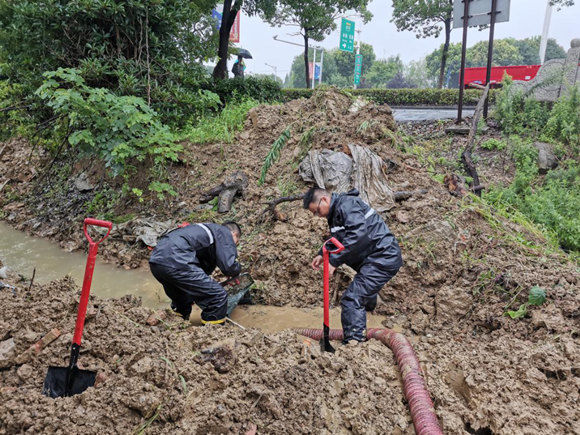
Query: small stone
x=24, y=372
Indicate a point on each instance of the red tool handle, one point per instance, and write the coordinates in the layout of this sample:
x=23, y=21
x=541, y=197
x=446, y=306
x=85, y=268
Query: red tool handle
x=335, y=242
x=326, y=274
x=90, y=267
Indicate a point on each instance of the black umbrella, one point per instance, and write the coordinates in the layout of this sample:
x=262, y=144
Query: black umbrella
x=242, y=52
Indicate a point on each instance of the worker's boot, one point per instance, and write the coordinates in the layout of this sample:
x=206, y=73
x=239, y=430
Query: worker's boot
x=181, y=311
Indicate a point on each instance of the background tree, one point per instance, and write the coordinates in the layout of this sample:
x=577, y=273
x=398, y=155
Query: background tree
x=529, y=48
x=383, y=71
x=315, y=19
x=265, y=8
x=344, y=61
x=507, y=51
x=562, y=3
x=426, y=18
x=418, y=76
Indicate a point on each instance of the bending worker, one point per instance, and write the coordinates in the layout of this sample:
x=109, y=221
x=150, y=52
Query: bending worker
x=183, y=261
x=369, y=248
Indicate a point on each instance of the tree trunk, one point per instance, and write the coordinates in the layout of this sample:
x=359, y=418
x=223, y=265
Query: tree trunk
x=228, y=16
x=307, y=69
x=445, y=51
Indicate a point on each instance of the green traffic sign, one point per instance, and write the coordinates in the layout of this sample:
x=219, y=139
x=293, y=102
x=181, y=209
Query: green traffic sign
x=357, y=68
x=347, y=35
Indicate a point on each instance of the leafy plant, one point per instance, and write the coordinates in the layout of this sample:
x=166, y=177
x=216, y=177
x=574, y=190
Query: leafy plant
x=493, y=144
x=274, y=154
x=564, y=121
x=121, y=130
x=536, y=296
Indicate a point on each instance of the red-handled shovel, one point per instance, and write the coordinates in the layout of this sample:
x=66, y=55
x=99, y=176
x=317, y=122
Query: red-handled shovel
x=325, y=342
x=68, y=381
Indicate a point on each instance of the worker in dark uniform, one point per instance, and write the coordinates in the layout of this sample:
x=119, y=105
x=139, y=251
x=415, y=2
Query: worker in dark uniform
x=183, y=261
x=369, y=248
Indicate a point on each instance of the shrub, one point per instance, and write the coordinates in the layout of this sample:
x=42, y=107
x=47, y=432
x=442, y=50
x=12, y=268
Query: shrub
x=262, y=89
x=564, y=121
x=121, y=130
x=553, y=203
x=518, y=114
x=402, y=97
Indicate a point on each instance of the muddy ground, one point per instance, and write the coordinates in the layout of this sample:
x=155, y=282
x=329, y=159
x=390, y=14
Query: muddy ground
x=465, y=265
x=175, y=377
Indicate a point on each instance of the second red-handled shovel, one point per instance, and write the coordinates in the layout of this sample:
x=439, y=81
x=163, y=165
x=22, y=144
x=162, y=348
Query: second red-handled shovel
x=68, y=381
x=325, y=342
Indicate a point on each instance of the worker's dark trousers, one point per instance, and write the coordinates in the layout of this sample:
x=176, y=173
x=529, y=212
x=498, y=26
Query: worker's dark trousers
x=189, y=285
x=362, y=292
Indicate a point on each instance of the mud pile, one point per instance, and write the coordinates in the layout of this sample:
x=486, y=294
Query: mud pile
x=180, y=378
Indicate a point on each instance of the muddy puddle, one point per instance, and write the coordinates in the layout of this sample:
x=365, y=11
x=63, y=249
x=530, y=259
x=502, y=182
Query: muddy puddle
x=23, y=253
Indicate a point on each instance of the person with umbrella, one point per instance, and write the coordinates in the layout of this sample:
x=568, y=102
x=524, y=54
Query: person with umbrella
x=239, y=66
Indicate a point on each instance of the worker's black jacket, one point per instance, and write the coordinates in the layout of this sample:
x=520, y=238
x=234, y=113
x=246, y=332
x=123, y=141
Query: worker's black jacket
x=364, y=234
x=203, y=245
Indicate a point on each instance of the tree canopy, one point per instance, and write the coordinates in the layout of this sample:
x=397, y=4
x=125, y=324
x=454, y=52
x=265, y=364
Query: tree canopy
x=426, y=18
x=315, y=19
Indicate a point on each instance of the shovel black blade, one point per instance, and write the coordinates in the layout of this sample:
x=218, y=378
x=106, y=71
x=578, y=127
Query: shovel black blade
x=325, y=342
x=64, y=381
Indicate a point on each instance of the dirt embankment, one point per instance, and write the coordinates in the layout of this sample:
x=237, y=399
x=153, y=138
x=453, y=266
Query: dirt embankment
x=446, y=242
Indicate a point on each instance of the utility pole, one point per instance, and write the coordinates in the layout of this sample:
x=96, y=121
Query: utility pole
x=275, y=38
x=357, y=48
x=314, y=68
x=274, y=68
x=544, y=40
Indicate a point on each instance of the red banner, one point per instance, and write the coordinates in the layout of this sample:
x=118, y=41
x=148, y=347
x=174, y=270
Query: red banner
x=235, y=32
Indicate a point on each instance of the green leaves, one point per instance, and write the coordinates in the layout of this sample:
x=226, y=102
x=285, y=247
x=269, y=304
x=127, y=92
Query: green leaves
x=274, y=154
x=521, y=312
x=121, y=130
x=537, y=296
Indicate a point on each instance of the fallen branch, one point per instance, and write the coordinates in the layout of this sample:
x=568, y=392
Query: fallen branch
x=466, y=155
x=32, y=279
x=37, y=347
x=271, y=206
x=232, y=185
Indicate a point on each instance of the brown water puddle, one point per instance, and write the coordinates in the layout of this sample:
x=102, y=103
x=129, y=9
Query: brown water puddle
x=23, y=253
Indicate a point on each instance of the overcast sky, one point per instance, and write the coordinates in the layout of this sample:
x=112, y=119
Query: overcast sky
x=526, y=19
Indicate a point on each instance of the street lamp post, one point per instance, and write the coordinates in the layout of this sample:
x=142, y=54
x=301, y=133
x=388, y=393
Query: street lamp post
x=314, y=47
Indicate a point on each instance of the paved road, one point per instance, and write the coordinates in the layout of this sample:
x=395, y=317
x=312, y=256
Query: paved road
x=424, y=114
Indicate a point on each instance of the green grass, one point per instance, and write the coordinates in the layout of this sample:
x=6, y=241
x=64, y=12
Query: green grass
x=220, y=127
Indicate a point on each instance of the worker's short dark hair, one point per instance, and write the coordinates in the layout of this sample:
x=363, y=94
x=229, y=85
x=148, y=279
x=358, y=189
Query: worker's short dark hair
x=233, y=227
x=313, y=195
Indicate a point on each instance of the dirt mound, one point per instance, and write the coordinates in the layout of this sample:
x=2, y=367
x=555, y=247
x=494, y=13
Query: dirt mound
x=186, y=379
